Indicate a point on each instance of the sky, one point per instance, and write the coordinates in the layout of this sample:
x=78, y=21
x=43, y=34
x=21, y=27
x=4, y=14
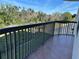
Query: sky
x=46, y=6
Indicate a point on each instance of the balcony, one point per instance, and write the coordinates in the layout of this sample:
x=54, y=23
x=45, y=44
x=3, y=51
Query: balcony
x=50, y=40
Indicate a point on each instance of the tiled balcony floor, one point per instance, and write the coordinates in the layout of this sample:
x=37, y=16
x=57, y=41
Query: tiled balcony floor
x=57, y=47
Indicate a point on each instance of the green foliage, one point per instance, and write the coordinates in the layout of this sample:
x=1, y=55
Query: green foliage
x=67, y=16
x=11, y=15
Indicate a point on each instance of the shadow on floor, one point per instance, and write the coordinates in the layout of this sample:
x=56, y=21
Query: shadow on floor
x=57, y=47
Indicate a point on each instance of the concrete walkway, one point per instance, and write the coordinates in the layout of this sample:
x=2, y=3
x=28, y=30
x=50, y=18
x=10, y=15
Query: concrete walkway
x=57, y=47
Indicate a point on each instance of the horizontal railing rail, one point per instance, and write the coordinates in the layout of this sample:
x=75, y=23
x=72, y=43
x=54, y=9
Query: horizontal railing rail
x=9, y=29
x=20, y=41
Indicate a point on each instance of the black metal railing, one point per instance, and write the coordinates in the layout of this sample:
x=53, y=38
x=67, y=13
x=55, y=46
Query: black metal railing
x=20, y=41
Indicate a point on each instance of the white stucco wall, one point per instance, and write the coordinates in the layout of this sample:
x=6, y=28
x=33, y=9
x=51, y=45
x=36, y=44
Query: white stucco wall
x=75, y=54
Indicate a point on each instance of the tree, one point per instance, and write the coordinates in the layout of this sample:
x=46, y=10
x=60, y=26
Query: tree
x=11, y=14
x=56, y=16
x=41, y=16
x=74, y=15
x=67, y=16
x=29, y=10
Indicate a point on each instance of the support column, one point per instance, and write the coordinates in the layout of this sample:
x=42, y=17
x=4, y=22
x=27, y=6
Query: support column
x=75, y=54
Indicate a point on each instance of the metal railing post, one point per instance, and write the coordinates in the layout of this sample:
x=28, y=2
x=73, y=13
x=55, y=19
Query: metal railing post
x=53, y=29
x=21, y=41
x=0, y=55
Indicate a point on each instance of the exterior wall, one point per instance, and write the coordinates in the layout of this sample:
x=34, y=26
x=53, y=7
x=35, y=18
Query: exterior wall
x=75, y=54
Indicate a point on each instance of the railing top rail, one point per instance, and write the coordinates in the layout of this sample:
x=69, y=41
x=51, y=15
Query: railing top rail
x=11, y=29
x=65, y=21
